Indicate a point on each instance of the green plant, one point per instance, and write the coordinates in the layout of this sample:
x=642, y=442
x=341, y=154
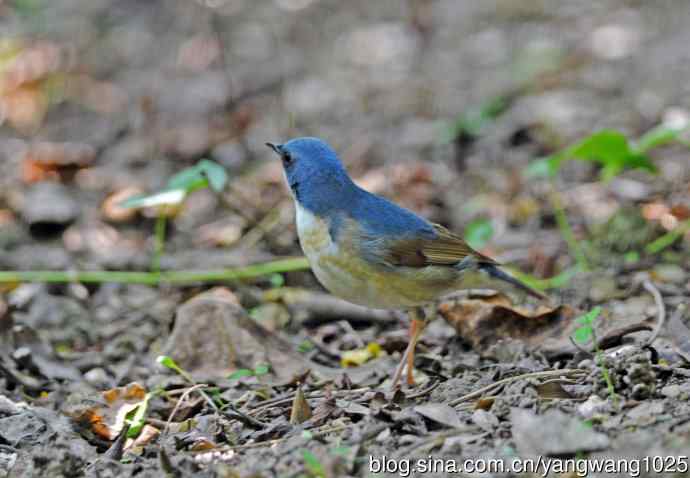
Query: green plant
x=204, y=174
x=474, y=121
x=612, y=150
x=314, y=467
x=587, y=333
x=260, y=369
x=615, y=153
x=137, y=417
x=478, y=233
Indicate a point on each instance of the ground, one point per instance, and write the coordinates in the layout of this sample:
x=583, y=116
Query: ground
x=444, y=107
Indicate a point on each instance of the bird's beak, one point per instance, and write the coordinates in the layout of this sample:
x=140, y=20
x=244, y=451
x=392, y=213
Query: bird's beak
x=278, y=148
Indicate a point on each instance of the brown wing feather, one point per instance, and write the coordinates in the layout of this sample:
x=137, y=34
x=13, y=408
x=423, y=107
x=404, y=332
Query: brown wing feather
x=447, y=249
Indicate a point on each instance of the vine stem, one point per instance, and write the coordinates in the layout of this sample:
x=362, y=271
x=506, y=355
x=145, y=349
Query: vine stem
x=567, y=231
x=156, y=278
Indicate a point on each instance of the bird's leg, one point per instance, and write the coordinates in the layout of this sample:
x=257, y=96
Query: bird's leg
x=416, y=328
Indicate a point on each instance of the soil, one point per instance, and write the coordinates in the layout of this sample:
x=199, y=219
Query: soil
x=103, y=99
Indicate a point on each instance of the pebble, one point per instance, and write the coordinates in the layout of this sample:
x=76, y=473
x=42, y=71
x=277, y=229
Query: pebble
x=97, y=377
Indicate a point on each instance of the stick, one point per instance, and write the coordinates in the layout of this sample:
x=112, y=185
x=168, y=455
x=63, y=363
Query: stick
x=156, y=278
x=544, y=374
x=660, y=310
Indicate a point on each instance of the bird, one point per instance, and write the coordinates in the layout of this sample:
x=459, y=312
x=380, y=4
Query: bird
x=368, y=250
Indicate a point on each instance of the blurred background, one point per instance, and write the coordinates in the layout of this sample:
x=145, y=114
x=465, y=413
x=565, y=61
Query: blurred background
x=455, y=109
x=440, y=105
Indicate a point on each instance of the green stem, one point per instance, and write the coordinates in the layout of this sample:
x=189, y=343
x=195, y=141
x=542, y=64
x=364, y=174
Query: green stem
x=155, y=278
x=599, y=359
x=669, y=238
x=566, y=230
x=159, y=244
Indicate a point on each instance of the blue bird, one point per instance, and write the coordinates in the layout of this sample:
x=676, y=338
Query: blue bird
x=369, y=251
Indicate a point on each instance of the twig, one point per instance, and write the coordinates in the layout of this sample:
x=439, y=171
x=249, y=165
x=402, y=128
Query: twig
x=660, y=310
x=436, y=440
x=505, y=381
x=118, y=447
x=315, y=434
x=566, y=230
x=426, y=391
x=287, y=398
x=179, y=404
x=156, y=278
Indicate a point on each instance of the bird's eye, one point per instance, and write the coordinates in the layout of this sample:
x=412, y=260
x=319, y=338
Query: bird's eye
x=287, y=159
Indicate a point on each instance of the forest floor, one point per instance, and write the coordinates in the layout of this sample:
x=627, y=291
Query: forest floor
x=442, y=106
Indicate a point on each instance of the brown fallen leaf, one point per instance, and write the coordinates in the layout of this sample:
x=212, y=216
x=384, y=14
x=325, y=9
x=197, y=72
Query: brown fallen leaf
x=552, y=389
x=47, y=160
x=440, y=413
x=147, y=435
x=106, y=417
x=112, y=209
x=485, y=320
x=301, y=411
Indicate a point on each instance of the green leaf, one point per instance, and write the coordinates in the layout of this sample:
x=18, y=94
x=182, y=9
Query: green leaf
x=187, y=180
x=261, y=369
x=631, y=257
x=478, y=233
x=658, y=136
x=204, y=174
x=168, y=362
x=473, y=121
x=239, y=373
x=582, y=334
x=168, y=197
x=667, y=239
x=612, y=150
x=546, y=167
x=138, y=419
x=215, y=173
x=589, y=318
x=559, y=280
x=305, y=346
x=313, y=464
x=276, y=280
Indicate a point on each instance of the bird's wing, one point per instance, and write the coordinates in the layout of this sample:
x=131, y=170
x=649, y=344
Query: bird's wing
x=443, y=248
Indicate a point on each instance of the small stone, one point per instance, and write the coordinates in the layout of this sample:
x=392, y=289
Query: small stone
x=586, y=363
x=553, y=433
x=671, y=391
x=214, y=336
x=97, y=377
x=592, y=407
x=48, y=209
x=671, y=273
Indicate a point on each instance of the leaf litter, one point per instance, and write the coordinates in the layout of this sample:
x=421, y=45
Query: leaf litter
x=251, y=381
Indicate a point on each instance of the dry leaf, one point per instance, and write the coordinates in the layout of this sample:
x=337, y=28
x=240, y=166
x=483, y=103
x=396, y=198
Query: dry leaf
x=440, y=413
x=484, y=322
x=112, y=209
x=552, y=389
x=147, y=435
x=107, y=419
x=354, y=358
x=301, y=411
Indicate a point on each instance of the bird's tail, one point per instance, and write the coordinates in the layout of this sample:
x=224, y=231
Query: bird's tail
x=496, y=273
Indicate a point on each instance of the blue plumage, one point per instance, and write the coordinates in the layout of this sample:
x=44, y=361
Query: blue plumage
x=321, y=185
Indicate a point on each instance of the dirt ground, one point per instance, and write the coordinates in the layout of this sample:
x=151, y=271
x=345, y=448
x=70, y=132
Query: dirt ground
x=442, y=106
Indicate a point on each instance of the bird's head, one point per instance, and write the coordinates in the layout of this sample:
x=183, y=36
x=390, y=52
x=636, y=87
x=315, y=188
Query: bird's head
x=314, y=173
